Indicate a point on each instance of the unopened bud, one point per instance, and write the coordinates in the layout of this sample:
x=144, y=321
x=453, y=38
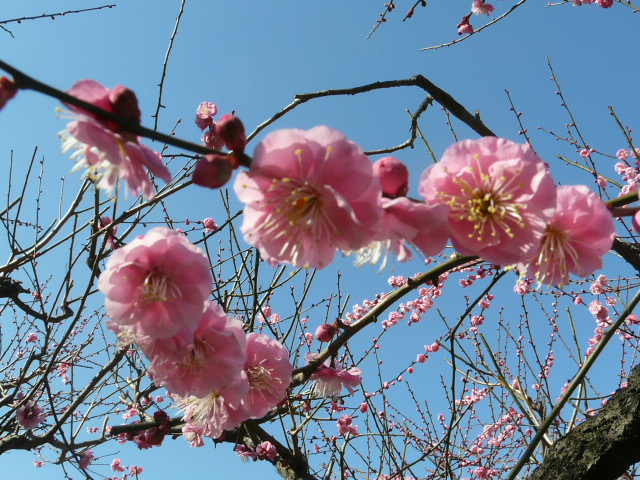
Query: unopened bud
x=393, y=175
x=125, y=103
x=8, y=90
x=213, y=171
x=326, y=332
x=231, y=131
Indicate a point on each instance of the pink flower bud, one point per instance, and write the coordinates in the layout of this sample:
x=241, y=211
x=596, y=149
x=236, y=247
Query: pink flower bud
x=231, y=131
x=213, y=171
x=393, y=175
x=364, y=407
x=326, y=332
x=125, y=103
x=8, y=90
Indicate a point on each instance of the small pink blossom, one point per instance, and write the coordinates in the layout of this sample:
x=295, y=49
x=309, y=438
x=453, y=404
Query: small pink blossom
x=602, y=182
x=268, y=370
x=38, y=463
x=209, y=225
x=266, y=450
x=245, y=453
x=111, y=233
x=135, y=470
x=622, y=154
x=116, y=465
x=393, y=176
x=104, y=147
x=86, y=459
x=307, y=195
x=205, y=113
x=329, y=380
x=465, y=27
x=605, y=3
x=32, y=337
x=500, y=197
x=480, y=7
x=158, y=283
x=575, y=240
x=30, y=415
x=346, y=426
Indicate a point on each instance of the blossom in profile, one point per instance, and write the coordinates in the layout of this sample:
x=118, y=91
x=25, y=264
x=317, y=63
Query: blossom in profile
x=575, y=240
x=307, y=195
x=30, y=415
x=481, y=7
x=330, y=379
x=269, y=371
x=198, y=362
x=465, y=27
x=406, y=224
x=104, y=222
x=108, y=151
x=500, y=197
x=157, y=285
x=86, y=459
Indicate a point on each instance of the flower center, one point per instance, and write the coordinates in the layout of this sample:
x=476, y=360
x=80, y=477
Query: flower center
x=259, y=377
x=158, y=288
x=487, y=202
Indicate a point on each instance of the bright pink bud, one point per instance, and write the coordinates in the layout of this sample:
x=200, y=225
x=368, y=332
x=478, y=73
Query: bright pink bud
x=636, y=222
x=326, y=332
x=231, y=131
x=125, y=103
x=8, y=90
x=213, y=171
x=393, y=175
x=364, y=407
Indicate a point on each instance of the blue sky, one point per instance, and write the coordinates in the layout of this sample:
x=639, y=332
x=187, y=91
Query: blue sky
x=253, y=56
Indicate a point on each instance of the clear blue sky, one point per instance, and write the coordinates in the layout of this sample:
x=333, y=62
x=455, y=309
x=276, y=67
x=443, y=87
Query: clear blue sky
x=252, y=56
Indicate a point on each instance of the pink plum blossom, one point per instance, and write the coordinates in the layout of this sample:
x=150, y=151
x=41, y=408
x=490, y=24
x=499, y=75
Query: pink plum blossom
x=231, y=131
x=269, y=371
x=209, y=225
x=500, y=197
x=407, y=223
x=308, y=194
x=329, y=380
x=393, y=176
x=116, y=465
x=104, y=222
x=86, y=459
x=576, y=239
x=465, y=27
x=158, y=283
x=193, y=435
x=205, y=113
x=198, y=362
x=213, y=171
x=266, y=450
x=219, y=410
x=30, y=415
x=480, y=7
x=109, y=152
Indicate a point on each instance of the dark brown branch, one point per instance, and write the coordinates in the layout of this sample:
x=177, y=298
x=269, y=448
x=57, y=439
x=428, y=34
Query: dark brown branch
x=602, y=447
x=439, y=95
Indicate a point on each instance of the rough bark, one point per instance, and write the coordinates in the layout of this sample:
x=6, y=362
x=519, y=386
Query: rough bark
x=604, y=446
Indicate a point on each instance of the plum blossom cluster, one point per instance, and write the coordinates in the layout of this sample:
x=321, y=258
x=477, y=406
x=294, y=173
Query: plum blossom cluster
x=311, y=193
x=104, y=147
x=157, y=290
